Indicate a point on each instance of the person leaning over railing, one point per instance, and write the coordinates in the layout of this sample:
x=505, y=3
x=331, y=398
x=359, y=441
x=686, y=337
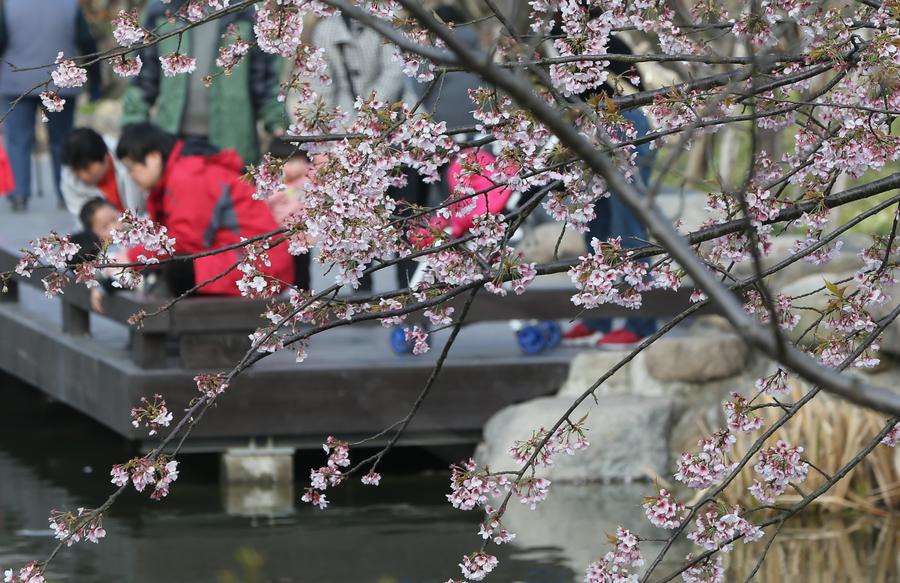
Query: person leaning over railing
x=197, y=192
x=90, y=171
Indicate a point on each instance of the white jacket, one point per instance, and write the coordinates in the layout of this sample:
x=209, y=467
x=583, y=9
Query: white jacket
x=75, y=192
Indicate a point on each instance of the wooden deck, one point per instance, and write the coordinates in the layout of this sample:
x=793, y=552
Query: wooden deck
x=352, y=383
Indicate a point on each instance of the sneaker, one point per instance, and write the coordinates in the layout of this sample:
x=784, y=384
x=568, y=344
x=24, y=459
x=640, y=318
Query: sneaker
x=579, y=334
x=619, y=339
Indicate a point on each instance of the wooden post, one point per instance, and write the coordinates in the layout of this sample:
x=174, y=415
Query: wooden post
x=148, y=350
x=75, y=320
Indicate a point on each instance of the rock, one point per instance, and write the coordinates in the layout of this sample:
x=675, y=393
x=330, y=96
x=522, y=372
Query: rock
x=589, y=366
x=628, y=437
x=845, y=260
x=697, y=358
x=688, y=207
x=575, y=520
x=539, y=243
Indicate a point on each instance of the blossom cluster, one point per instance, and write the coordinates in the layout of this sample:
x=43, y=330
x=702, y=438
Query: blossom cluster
x=73, y=527
x=710, y=464
x=568, y=439
x=708, y=570
x=30, y=573
x=613, y=567
x=330, y=474
x=144, y=471
x=739, y=416
x=492, y=527
x=662, y=510
x=471, y=486
x=127, y=29
x=67, y=74
x=234, y=52
x=254, y=282
x=609, y=276
x=778, y=467
x=211, y=385
x=718, y=526
x=177, y=63
x=152, y=414
x=475, y=567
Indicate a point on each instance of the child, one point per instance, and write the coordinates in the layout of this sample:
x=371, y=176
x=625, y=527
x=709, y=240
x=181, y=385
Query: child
x=291, y=200
x=99, y=218
x=198, y=194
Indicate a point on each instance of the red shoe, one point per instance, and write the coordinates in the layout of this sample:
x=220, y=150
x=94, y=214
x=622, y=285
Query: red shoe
x=579, y=334
x=619, y=339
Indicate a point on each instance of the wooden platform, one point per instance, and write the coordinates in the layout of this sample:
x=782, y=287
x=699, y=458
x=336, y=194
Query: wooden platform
x=352, y=384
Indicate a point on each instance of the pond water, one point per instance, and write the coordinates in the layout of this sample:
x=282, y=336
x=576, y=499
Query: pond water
x=402, y=532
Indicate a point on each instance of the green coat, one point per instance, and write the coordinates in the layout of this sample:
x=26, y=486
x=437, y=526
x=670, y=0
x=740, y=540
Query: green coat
x=236, y=101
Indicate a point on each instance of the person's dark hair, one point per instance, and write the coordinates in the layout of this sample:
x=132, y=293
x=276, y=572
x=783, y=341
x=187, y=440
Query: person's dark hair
x=89, y=209
x=138, y=140
x=81, y=147
x=284, y=150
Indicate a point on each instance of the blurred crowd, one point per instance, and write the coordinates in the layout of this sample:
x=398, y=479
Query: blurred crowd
x=185, y=141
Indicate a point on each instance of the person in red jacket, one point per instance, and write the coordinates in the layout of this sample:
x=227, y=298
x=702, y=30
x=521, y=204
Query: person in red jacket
x=197, y=193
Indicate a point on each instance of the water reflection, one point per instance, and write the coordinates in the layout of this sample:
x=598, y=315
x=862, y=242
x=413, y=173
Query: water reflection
x=52, y=458
x=401, y=532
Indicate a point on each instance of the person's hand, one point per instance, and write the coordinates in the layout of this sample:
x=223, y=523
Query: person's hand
x=278, y=132
x=97, y=300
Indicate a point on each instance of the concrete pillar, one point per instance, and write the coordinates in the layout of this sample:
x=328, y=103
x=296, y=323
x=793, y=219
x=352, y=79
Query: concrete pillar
x=258, y=481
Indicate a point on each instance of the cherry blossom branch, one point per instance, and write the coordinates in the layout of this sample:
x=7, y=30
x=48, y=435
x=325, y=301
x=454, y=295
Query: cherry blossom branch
x=423, y=394
x=804, y=502
x=757, y=445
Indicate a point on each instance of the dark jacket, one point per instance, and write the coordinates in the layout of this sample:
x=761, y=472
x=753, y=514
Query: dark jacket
x=236, y=101
x=205, y=204
x=449, y=100
x=32, y=32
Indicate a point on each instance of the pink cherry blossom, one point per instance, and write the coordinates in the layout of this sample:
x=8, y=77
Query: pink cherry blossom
x=717, y=526
x=67, y=73
x=892, y=437
x=477, y=566
x=778, y=466
x=127, y=29
x=52, y=102
x=371, y=479
x=708, y=466
x=739, y=416
x=662, y=510
x=152, y=415
x=30, y=573
x=176, y=64
x=211, y=385
x=709, y=570
x=126, y=66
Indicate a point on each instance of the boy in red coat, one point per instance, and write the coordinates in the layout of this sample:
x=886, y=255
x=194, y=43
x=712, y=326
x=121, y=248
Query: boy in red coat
x=197, y=193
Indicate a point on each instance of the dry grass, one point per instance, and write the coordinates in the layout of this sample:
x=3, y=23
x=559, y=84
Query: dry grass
x=831, y=431
x=831, y=550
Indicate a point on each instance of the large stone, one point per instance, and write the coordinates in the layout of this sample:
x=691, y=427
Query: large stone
x=589, y=366
x=628, y=437
x=539, y=243
x=575, y=520
x=703, y=357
